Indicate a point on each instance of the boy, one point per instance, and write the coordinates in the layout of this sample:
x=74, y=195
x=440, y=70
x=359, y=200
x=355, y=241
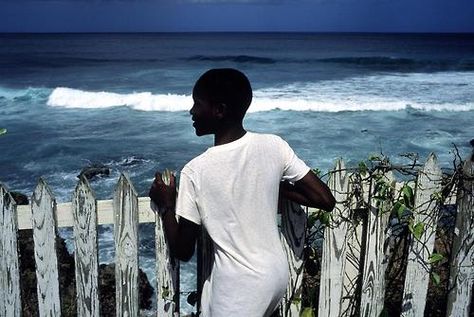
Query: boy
x=232, y=190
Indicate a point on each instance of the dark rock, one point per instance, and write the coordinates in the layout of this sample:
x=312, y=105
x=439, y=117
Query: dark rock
x=29, y=298
x=472, y=144
x=20, y=199
x=192, y=298
x=94, y=170
x=107, y=290
x=67, y=281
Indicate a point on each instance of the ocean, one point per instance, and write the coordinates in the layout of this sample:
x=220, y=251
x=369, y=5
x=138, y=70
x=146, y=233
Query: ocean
x=123, y=100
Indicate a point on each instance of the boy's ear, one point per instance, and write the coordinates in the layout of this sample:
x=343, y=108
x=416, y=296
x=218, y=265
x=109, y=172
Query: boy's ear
x=221, y=110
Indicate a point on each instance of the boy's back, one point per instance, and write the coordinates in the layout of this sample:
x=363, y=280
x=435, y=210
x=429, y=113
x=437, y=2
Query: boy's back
x=232, y=189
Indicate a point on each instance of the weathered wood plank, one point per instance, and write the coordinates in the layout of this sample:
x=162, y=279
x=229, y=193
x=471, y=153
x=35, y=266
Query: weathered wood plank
x=84, y=208
x=167, y=275
x=334, y=247
x=167, y=269
x=205, y=261
x=375, y=261
x=126, y=248
x=293, y=234
x=104, y=211
x=43, y=205
x=3, y=260
x=426, y=211
x=356, y=218
x=462, y=265
x=10, y=300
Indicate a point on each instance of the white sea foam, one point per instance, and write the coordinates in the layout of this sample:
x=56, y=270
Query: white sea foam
x=263, y=101
x=145, y=101
x=429, y=92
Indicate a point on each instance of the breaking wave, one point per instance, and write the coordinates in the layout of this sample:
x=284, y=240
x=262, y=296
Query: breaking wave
x=264, y=100
x=145, y=101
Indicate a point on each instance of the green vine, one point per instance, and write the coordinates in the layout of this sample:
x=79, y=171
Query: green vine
x=373, y=178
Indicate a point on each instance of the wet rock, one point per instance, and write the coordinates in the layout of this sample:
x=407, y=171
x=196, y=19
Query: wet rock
x=20, y=199
x=107, y=290
x=95, y=170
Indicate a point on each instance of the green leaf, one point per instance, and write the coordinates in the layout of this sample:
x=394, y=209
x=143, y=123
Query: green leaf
x=307, y=312
x=417, y=229
x=3, y=131
x=399, y=208
x=363, y=168
x=435, y=257
x=316, y=171
x=312, y=219
x=435, y=278
x=408, y=196
x=325, y=218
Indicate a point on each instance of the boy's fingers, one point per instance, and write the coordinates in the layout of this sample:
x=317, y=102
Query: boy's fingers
x=158, y=178
x=172, y=180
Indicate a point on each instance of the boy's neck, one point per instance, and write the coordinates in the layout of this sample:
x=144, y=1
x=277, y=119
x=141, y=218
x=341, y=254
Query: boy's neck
x=229, y=134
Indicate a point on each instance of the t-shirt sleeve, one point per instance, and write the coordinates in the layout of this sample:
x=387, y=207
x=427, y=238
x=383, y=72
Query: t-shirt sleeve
x=294, y=168
x=186, y=205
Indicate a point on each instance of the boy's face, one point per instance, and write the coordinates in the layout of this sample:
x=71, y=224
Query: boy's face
x=203, y=115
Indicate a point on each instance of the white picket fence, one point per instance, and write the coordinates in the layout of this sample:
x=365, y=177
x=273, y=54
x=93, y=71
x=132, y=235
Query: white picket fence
x=353, y=262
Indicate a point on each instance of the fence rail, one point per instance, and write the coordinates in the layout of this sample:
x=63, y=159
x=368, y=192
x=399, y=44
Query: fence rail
x=353, y=261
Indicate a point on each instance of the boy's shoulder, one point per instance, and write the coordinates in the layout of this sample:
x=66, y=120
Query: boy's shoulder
x=269, y=140
x=194, y=164
x=268, y=137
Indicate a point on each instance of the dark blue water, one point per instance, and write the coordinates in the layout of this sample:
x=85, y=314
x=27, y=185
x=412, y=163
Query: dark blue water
x=122, y=100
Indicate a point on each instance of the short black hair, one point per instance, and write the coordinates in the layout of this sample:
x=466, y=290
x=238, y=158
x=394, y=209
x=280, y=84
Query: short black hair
x=226, y=85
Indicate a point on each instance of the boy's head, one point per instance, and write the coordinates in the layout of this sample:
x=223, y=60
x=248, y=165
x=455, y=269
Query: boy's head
x=227, y=93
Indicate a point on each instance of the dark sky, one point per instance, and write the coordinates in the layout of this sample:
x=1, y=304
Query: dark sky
x=249, y=15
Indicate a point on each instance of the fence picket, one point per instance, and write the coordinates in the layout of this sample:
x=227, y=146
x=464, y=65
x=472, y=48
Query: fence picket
x=354, y=248
x=353, y=257
x=373, y=280
x=3, y=260
x=426, y=211
x=205, y=261
x=462, y=265
x=43, y=215
x=293, y=231
x=84, y=209
x=167, y=275
x=10, y=300
x=334, y=246
x=126, y=248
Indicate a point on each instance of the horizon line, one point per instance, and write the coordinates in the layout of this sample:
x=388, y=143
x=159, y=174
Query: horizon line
x=247, y=32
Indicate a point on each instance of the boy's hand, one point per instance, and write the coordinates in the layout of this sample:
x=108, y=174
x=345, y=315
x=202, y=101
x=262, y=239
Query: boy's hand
x=288, y=191
x=162, y=194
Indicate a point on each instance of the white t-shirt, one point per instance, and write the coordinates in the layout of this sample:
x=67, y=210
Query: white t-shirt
x=232, y=190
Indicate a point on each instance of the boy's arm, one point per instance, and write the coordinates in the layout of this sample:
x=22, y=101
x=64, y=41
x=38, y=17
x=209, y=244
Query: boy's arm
x=182, y=235
x=309, y=191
